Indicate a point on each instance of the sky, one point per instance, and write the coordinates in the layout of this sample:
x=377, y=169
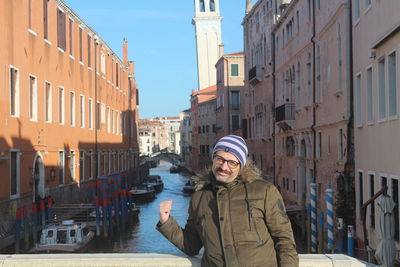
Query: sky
x=161, y=41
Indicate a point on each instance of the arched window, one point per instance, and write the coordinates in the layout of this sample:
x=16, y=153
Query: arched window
x=212, y=6
x=202, y=6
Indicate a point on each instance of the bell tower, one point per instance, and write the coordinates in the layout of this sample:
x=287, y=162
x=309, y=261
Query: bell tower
x=207, y=23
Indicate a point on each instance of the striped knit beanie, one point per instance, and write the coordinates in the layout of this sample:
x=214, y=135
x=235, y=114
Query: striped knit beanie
x=233, y=144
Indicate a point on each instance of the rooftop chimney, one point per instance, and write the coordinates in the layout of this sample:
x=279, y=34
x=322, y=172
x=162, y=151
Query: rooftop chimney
x=221, y=50
x=249, y=6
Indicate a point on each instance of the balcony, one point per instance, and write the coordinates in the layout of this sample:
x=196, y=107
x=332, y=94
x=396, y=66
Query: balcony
x=255, y=74
x=284, y=115
x=142, y=260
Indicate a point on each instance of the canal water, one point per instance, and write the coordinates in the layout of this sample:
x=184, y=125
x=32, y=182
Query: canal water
x=142, y=237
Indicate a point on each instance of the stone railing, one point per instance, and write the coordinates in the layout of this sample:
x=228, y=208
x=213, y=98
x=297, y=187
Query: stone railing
x=147, y=260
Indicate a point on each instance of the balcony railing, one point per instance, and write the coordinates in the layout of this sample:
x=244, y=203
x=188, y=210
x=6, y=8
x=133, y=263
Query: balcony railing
x=284, y=115
x=255, y=74
x=142, y=260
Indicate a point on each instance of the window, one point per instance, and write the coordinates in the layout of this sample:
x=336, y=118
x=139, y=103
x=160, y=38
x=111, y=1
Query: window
x=61, y=164
x=356, y=10
x=103, y=63
x=70, y=36
x=48, y=102
x=235, y=122
x=318, y=4
x=108, y=120
x=395, y=197
x=212, y=5
x=341, y=145
x=45, y=19
x=358, y=107
x=103, y=114
x=89, y=41
x=61, y=105
x=309, y=9
x=116, y=75
x=339, y=44
x=234, y=69
x=382, y=93
x=392, y=72
x=235, y=99
x=319, y=145
x=81, y=165
x=202, y=6
x=367, y=4
x=30, y=14
x=72, y=166
x=360, y=189
x=82, y=111
x=371, y=194
x=309, y=88
x=90, y=113
x=298, y=20
x=33, y=101
x=61, y=30
x=369, y=95
x=80, y=44
x=97, y=116
x=14, y=173
x=14, y=92
x=318, y=85
x=72, y=108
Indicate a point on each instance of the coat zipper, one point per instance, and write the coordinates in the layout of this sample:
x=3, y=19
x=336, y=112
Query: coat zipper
x=260, y=241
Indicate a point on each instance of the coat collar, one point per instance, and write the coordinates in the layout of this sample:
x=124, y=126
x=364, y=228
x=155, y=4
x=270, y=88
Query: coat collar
x=246, y=175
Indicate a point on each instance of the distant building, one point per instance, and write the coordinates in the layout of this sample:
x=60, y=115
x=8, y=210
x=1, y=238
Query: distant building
x=230, y=83
x=172, y=125
x=207, y=23
x=186, y=134
x=203, y=103
x=153, y=137
x=68, y=111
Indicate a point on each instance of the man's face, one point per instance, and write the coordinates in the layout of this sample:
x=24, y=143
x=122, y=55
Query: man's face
x=222, y=166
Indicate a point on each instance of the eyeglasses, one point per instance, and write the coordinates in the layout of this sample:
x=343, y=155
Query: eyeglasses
x=220, y=161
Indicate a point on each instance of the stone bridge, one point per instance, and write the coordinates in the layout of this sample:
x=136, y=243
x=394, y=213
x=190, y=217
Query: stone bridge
x=172, y=158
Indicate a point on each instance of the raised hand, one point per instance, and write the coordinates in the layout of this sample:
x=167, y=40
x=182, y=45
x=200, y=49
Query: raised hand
x=165, y=210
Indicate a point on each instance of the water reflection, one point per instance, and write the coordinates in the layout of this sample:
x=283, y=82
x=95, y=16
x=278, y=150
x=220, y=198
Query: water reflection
x=141, y=236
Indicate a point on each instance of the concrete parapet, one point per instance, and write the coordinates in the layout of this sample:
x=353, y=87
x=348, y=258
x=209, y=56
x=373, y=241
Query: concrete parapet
x=147, y=260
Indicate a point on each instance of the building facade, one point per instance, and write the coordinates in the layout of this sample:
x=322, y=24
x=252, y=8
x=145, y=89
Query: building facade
x=376, y=80
x=257, y=105
x=312, y=78
x=230, y=82
x=68, y=107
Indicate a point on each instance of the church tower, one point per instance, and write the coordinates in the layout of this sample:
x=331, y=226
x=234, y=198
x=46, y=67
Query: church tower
x=207, y=23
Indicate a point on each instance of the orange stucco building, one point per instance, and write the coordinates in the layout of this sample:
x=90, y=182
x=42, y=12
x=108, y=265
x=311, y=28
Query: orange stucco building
x=68, y=106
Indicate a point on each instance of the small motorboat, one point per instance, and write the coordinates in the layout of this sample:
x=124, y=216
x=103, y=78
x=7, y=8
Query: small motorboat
x=189, y=187
x=143, y=193
x=156, y=182
x=175, y=169
x=66, y=237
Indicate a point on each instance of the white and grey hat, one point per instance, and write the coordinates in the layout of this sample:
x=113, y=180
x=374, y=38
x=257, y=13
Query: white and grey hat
x=235, y=145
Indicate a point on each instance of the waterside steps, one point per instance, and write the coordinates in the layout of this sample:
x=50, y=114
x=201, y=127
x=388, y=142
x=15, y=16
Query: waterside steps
x=147, y=260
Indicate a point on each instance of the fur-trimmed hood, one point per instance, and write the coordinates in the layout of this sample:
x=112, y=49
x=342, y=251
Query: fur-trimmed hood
x=247, y=175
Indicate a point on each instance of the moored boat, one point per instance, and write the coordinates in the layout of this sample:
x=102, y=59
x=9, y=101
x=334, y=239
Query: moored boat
x=66, y=237
x=156, y=182
x=142, y=194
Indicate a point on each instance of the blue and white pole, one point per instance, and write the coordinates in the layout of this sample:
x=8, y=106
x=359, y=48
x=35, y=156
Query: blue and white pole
x=314, y=233
x=329, y=216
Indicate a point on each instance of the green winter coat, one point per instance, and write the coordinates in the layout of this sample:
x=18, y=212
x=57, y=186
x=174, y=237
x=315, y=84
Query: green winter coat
x=240, y=224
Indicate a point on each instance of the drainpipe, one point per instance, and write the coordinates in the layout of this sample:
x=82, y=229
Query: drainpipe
x=273, y=106
x=314, y=134
x=349, y=165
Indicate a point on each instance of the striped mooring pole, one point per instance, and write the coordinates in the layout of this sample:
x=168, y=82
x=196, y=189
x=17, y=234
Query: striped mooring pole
x=314, y=233
x=329, y=217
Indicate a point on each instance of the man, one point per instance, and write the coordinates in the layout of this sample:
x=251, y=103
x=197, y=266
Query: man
x=239, y=218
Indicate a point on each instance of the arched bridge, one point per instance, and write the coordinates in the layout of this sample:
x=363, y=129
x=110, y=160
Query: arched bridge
x=172, y=158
